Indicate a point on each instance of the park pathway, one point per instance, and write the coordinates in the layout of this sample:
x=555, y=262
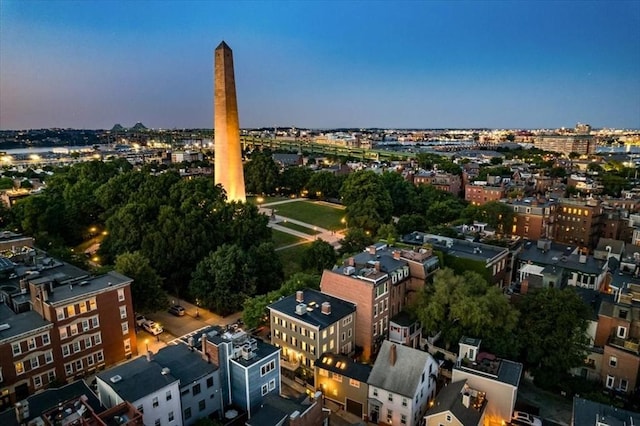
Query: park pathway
x=331, y=237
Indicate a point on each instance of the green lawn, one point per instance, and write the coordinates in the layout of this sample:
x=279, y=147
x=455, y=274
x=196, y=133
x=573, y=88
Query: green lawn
x=317, y=214
x=281, y=239
x=300, y=228
x=290, y=259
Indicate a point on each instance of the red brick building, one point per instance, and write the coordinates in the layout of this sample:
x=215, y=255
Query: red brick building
x=578, y=222
x=619, y=335
x=58, y=324
x=481, y=194
x=534, y=218
x=443, y=181
x=379, y=281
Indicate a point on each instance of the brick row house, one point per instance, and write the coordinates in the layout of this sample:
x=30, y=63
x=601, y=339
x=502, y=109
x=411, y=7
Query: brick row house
x=380, y=282
x=59, y=324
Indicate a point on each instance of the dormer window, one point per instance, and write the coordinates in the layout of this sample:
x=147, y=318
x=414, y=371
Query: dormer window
x=621, y=332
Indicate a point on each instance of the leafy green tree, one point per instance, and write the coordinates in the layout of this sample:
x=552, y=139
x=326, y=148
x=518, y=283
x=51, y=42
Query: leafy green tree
x=265, y=265
x=495, y=161
x=457, y=305
x=146, y=289
x=318, y=256
x=441, y=212
x=261, y=174
x=368, y=203
x=222, y=280
x=552, y=333
x=388, y=233
x=6, y=183
x=294, y=179
x=595, y=168
x=411, y=222
x=323, y=185
x=558, y=172
x=401, y=191
x=355, y=240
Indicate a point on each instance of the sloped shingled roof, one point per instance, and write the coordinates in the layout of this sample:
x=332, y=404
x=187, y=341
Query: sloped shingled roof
x=405, y=375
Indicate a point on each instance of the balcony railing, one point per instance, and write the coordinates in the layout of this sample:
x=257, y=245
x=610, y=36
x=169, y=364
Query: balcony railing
x=629, y=344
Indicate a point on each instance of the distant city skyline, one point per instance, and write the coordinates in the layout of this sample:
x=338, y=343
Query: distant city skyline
x=312, y=64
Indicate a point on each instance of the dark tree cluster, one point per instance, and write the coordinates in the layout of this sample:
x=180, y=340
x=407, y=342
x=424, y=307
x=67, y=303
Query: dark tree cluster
x=175, y=226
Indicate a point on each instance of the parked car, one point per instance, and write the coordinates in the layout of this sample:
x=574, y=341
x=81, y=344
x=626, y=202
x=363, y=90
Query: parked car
x=152, y=327
x=140, y=320
x=177, y=310
x=522, y=418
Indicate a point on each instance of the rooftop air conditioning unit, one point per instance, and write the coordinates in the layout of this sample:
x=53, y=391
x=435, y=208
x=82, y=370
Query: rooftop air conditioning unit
x=301, y=308
x=115, y=379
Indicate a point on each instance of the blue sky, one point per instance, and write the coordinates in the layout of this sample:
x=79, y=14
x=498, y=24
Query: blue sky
x=414, y=64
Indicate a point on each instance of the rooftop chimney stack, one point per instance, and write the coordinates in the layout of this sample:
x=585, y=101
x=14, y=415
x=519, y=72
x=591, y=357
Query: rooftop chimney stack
x=299, y=296
x=203, y=339
x=326, y=308
x=392, y=355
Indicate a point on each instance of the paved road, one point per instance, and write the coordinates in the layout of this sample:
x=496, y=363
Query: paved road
x=194, y=319
x=554, y=409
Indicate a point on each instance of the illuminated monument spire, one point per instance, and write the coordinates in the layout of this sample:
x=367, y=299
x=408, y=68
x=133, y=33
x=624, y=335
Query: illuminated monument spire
x=228, y=164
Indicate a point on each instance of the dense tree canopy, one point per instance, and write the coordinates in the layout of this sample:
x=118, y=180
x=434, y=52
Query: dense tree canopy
x=222, y=280
x=457, y=305
x=318, y=256
x=552, y=332
x=368, y=203
x=261, y=174
x=146, y=290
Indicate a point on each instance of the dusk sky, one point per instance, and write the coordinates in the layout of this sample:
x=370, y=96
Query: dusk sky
x=415, y=64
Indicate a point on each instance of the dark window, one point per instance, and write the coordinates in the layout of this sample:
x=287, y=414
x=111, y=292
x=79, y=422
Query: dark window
x=187, y=413
x=209, y=382
x=196, y=389
x=201, y=405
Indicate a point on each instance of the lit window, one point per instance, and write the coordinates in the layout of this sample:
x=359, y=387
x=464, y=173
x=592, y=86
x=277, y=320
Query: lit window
x=127, y=345
x=63, y=332
x=92, y=304
x=19, y=368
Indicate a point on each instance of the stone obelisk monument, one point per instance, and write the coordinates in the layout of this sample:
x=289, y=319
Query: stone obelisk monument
x=228, y=162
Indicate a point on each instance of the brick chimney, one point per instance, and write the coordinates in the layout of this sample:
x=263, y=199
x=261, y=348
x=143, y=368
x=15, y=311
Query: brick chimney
x=371, y=250
x=203, y=340
x=392, y=355
x=396, y=254
x=299, y=296
x=376, y=265
x=326, y=308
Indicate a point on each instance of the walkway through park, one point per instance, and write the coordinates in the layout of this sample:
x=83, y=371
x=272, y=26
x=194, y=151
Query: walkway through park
x=318, y=233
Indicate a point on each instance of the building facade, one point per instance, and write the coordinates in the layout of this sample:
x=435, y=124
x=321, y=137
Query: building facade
x=309, y=323
x=401, y=384
x=58, y=323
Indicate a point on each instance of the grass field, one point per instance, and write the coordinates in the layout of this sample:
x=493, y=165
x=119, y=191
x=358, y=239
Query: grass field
x=321, y=215
x=290, y=259
x=296, y=227
x=281, y=239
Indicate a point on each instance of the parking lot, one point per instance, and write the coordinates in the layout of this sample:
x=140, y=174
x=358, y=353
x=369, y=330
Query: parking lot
x=174, y=326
